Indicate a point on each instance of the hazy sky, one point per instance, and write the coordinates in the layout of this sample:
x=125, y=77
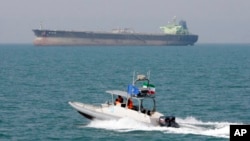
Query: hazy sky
x=215, y=21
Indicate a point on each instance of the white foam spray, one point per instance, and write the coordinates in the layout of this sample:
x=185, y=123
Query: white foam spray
x=188, y=125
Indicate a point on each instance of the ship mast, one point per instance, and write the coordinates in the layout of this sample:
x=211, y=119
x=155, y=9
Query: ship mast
x=41, y=25
x=174, y=20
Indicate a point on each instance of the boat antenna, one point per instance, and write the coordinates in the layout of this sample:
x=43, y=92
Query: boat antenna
x=148, y=75
x=133, y=78
x=41, y=25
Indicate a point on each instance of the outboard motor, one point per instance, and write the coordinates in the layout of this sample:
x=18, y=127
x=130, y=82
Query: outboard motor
x=168, y=121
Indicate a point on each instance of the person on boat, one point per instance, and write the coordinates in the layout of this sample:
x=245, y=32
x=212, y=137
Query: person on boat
x=118, y=100
x=130, y=103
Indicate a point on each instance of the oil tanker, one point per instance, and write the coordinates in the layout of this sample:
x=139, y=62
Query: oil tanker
x=172, y=34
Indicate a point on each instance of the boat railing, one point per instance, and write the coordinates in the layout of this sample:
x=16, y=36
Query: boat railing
x=93, y=107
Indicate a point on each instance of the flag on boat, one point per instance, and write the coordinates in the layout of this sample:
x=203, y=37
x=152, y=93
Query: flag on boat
x=133, y=90
x=151, y=88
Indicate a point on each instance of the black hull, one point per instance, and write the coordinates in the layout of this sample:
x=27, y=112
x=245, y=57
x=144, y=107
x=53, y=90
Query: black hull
x=86, y=115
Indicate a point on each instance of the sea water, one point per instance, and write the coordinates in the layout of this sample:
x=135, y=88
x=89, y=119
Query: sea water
x=206, y=86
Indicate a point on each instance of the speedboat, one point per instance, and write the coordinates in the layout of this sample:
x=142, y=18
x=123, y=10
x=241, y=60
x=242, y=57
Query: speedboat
x=143, y=108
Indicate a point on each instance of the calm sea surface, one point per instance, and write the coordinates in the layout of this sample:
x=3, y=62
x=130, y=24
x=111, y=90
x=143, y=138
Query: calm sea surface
x=206, y=86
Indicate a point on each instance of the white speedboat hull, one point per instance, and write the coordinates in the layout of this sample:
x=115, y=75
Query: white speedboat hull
x=110, y=111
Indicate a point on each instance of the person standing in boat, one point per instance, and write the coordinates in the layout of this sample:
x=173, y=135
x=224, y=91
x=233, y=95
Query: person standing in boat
x=130, y=103
x=119, y=100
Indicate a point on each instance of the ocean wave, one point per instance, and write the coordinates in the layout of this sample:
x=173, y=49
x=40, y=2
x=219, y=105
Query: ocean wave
x=188, y=125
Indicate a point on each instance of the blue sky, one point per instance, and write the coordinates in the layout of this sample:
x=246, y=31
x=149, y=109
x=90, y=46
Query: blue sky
x=215, y=21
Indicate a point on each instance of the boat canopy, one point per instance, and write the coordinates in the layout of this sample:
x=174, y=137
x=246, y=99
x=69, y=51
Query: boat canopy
x=147, y=89
x=118, y=92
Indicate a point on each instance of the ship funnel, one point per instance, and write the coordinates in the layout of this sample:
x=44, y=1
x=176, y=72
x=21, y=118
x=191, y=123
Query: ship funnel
x=183, y=24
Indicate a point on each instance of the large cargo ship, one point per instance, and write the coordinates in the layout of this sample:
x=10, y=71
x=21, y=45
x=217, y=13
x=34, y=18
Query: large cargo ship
x=172, y=34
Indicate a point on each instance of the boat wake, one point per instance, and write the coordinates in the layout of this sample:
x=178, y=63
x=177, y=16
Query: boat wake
x=188, y=125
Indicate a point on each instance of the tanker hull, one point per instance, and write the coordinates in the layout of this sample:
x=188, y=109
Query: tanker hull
x=75, y=38
x=51, y=41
